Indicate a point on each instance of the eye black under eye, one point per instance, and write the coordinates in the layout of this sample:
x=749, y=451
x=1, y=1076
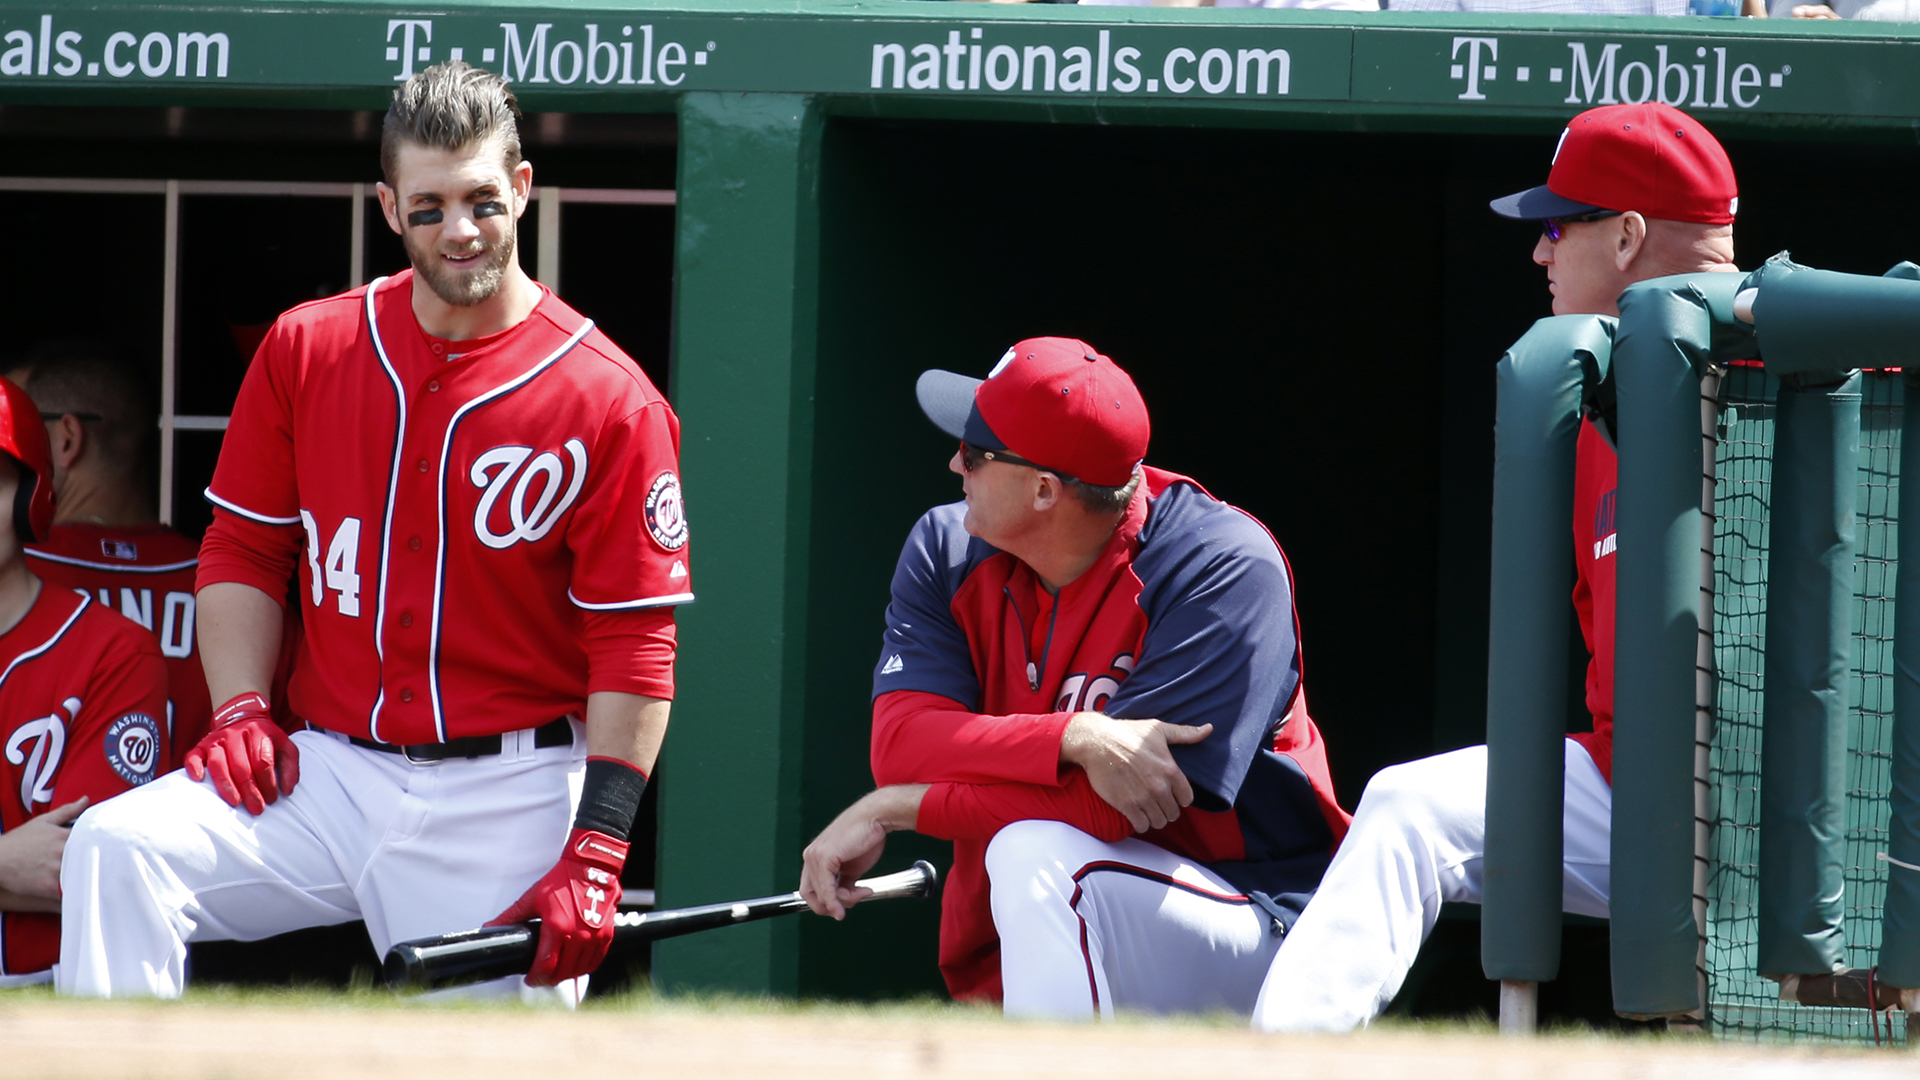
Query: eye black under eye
x=489, y=209
x=425, y=217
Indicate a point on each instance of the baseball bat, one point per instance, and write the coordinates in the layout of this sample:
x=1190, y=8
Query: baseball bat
x=492, y=952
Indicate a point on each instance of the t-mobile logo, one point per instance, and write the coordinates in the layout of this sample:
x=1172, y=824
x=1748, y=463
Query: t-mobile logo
x=1473, y=71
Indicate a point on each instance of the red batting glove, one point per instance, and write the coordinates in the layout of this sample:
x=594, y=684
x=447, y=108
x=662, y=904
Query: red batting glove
x=248, y=758
x=575, y=904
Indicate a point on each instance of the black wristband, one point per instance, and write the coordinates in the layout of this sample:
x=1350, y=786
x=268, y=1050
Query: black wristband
x=610, y=797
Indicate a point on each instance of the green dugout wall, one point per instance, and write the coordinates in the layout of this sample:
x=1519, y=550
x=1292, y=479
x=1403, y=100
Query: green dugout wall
x=1276, y=219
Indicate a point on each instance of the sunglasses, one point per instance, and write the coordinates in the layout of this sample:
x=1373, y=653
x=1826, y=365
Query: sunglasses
x=81, y=416
x=1554, y=228
x=972, y=456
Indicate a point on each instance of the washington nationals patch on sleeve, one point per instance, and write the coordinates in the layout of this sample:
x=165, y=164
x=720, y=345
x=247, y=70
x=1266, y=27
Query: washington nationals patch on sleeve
x=666, y=515
x=133, y=747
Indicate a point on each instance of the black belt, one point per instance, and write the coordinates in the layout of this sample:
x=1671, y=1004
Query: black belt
x=553, y=733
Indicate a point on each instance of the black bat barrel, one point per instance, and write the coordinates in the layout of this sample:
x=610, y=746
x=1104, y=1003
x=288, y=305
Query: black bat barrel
x=490, y=952
x=493, y=952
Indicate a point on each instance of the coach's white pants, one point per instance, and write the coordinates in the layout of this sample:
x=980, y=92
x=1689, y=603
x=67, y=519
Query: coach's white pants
x=1087, y=927
x=1419, y=838
x=413, y=849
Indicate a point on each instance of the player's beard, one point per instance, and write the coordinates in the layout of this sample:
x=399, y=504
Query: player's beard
x=465, y=288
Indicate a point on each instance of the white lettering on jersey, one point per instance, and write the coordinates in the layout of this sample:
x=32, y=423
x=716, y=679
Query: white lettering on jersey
x=1606, y=545
x=341, y=573
x=176, y=625
x=49, y=738
x=138, y=606
x=530, y=523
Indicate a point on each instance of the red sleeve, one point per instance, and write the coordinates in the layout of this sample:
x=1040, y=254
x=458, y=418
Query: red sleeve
x=256, y=541
x=118, y=740
x=631, y=652
x=977, y=811
x=250, y=553
x=922, y=738
x=628, y=534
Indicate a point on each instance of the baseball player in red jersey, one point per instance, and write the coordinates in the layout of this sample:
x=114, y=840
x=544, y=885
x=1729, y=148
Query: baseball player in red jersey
x=1086, y=649
x=1635, y=192
x=106, y=539
x=82, y=691
x=478, y=494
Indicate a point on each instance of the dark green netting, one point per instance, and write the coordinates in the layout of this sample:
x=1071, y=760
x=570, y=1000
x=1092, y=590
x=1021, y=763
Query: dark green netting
x=1741, y=1004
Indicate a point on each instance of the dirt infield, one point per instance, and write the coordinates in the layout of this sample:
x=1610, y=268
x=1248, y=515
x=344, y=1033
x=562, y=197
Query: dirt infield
x=54, y=1040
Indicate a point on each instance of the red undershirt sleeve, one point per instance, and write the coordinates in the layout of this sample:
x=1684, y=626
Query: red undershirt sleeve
x=922, y=738
x=977, y=811
x=631, y=652
x=250, y=553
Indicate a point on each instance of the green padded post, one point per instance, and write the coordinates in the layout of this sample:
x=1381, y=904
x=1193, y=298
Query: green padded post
x=1537, y=426
x=1900, y=933
x=1803, y=770
x=1807, y=318
x=746, y=276
x=1670, y=329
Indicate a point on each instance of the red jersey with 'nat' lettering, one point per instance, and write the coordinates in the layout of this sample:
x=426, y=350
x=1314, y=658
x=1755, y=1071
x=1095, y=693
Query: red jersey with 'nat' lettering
x=82, y=696
x=144, y=572
x=1596, y=482
x=1186, y=616
x=483, y=532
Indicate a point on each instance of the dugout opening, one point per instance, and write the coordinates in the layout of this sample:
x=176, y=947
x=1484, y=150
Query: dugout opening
x=1314, y=320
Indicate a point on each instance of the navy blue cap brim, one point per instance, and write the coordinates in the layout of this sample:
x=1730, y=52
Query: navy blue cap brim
x=947, y=399
x=1538, y=204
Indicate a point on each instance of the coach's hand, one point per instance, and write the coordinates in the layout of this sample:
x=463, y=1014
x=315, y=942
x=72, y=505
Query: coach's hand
x=575, y=904
x=245, y=755
x=846, y=849
x=1130, y=764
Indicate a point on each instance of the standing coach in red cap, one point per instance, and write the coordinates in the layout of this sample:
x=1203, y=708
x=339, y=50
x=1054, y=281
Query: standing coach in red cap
x=1636, y=192
x=1091, y=683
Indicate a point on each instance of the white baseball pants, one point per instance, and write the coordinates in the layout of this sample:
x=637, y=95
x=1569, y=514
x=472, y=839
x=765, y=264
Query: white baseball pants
x=1088, y=927
x=413, y=849
x=1419, y=838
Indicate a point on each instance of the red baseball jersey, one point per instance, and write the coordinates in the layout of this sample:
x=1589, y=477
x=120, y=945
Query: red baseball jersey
x=82, y=696
x=1596, y=478
x=483, y=531
x=1186, y=616
x=144, y=572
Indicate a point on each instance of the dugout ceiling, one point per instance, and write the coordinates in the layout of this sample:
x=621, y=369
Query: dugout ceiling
x=1275, y=219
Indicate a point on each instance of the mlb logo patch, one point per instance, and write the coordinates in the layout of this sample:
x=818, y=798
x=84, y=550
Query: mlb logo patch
x=120, y=549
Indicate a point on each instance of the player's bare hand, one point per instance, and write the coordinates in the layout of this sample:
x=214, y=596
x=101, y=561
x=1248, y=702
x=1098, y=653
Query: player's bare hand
x=30, y=859
x=245, y=756
x=846, y=849
x=1130, y=764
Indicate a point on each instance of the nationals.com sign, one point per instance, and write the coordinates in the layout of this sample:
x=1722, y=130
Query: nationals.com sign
x=1104, y=57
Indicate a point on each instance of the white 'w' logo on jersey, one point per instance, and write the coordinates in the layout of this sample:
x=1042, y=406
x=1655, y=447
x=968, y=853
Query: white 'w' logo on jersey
x=529, y=523
x=47, y=738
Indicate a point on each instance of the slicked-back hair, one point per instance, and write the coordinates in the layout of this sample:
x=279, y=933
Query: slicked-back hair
x=451, y=106
x=87, y=377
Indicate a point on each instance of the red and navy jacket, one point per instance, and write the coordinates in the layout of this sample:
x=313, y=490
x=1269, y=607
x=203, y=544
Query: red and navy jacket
x=1595, y=486
x=1186, y=616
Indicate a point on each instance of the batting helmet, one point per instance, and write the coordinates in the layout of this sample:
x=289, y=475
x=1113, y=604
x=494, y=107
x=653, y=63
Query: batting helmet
x=23, y=437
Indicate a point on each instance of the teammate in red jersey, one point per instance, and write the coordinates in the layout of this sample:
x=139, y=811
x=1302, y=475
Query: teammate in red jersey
x=106, y=539
x=1635, y=192
x=1085, y=649
x=82, y=691
x=479, y=496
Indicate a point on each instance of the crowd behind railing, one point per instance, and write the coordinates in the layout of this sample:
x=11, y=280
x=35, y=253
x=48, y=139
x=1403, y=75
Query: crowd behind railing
x=1864, y=10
